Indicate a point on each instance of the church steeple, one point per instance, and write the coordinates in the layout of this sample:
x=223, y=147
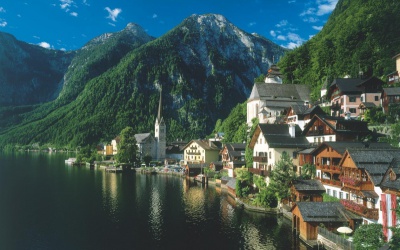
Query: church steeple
x=160, y=132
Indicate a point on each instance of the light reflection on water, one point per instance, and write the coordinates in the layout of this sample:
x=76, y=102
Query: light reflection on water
x=76, y=208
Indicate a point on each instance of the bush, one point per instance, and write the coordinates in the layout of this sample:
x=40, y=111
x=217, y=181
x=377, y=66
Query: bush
x=266, y=198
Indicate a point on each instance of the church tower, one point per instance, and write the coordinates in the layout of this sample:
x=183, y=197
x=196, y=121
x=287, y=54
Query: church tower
x=160, y=132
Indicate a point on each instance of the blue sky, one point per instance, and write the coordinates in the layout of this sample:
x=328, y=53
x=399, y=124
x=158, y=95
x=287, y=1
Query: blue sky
x=69, y=24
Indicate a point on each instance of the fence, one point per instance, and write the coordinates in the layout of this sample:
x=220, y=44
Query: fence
x=338, y=239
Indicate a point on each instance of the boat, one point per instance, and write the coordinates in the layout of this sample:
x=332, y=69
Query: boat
x=200, y=178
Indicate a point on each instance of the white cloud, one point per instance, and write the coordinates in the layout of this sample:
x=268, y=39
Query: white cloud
x=112, y=24
x=74, y=14
x=44, y=45
x=310, y=19
x=154, y=15
x=326, y=6
x=272, y=33
x=2, y=10
x=281, y=37
x=317, y=27
x=85, y=3
x=3, y=23
x=292, y=45
x=252, y=24
x=309, y=11
x=282, y=23
x=291, y=1
x=36, y=37
x=113, y=14
x=65, y=4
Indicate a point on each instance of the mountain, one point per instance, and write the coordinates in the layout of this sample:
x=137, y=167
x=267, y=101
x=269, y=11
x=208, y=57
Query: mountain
x=360, y=35
x=30, y=74
x=204, y=66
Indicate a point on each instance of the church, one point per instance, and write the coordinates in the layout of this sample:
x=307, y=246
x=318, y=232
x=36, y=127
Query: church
x=147, y=144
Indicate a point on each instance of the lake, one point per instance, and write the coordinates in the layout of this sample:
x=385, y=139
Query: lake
x=46, y=204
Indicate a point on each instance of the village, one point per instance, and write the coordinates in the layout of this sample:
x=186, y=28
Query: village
x=350, y=163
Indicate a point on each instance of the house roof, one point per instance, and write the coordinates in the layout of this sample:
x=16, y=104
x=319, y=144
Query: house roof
x=308, y=185
x=277, y=136
x=205, y=144
x=367, y=105
x=347, y=85
x=271, y=91
x=322, y=211
x=392, y=91
x=142, y=138
x=341, y=146
x=340, y=125
x=231, y=183
x=392, y=184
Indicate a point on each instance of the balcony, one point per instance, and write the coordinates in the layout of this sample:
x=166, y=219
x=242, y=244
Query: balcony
x=264, y=173
x=330, y=168
x=336, y=106
x=260, y=158
x=370, y=213
x=336, y=183
x=356, y=184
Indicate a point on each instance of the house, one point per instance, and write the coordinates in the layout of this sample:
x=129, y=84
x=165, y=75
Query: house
x=306, y=190
x=330, y=128
x=362, y=172
x=302, y=114
x=346, y=94
x=233, y=156
x=390, y=186
x=394, y=76
x=390, y=96
x=174, y=151
x=269, y=100
x=308, y=216
x=268, y=143
x=327, y=158
x=201, y=151
x=146, y=145
x=114, y=145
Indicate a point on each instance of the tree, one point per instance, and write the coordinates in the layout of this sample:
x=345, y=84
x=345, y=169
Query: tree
x=369, y=236
x=308, y=171
x=281, y=176
x=127, y=147
x=147, y=159
x=395, y=240
x=265, y=197
x=243, y=181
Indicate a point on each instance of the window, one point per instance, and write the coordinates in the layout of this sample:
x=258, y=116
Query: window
x=270, y=155
x=376, y=98
x=352, y=110
x=330, y=138
x=362, y=98
x=352, y=99
x=334, y=193
x=340, y=195
x=328, y=191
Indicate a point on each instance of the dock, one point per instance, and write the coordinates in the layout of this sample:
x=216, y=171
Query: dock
x=113, y=170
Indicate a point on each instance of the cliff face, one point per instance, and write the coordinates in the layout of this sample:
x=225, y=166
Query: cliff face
x=30, y=74
x=205, y=67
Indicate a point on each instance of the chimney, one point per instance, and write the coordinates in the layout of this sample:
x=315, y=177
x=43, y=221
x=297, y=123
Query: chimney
x=292, y=130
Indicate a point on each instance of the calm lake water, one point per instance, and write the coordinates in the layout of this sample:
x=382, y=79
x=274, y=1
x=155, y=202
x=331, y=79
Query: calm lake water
x=46, y=204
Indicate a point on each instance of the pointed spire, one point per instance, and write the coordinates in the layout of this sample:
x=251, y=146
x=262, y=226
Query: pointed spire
x=159, y=108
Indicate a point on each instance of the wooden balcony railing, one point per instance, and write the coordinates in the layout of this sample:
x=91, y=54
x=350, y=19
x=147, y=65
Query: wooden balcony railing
x=264, y=173
x=260, y=158
x=336, y=183
x=370, y=213
x=330, y=168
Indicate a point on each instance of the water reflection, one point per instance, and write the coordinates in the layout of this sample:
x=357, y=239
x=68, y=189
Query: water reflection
x=155, y=216
x=110, y=194
x=194, y=201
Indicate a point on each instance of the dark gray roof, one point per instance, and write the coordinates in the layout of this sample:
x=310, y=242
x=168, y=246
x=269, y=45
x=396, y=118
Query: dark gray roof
x=277, y=136
x=348, y=85
x=231, y=183
x=340, y=125
x=373, y=155
x=142, y=138
x=299, y=92
x=341, y=147
x=206, y=144
x=392, y=91
x=322, y=211
x=368, y=104
x=308, y=185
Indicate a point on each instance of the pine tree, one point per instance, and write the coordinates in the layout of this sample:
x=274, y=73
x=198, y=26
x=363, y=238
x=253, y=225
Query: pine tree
x=281, y=176
x=127, y=148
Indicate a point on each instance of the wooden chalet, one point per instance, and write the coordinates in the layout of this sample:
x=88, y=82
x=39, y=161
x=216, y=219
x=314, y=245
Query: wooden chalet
x=233, y=156
x=390, y=186
x=329, y=128
x=306, y=190
x=302, y=114
x=394, y=76
x=390, y=96
x=308, y=216
x=362, y=172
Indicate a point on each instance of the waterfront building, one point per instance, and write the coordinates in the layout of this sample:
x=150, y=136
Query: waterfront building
x=301, y=114
x=233, y=156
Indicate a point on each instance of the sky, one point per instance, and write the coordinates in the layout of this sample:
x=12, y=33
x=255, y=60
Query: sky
x=70, y=24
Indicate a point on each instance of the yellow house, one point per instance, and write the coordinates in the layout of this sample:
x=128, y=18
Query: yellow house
x=201, y=151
